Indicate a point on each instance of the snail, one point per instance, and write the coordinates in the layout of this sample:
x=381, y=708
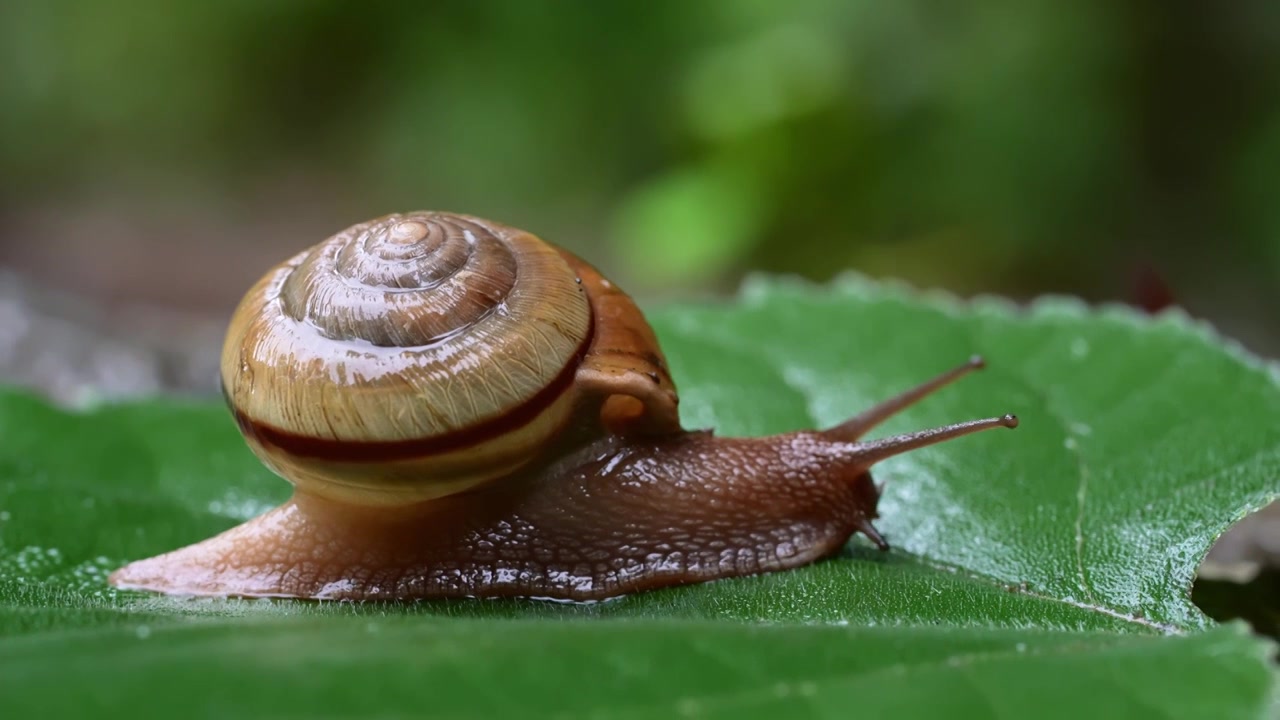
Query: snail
x=466, y=410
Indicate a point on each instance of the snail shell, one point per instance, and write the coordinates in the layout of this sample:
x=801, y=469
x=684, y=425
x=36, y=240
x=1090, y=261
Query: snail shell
x=416, y=356
x=467, y=411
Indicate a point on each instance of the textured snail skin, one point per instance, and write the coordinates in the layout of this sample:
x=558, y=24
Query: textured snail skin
x=613, y=498
x=615, y=518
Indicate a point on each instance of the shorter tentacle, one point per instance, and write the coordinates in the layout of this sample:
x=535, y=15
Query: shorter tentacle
x=855, y=427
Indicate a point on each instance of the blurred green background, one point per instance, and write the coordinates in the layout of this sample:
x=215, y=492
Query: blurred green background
x=167, y=153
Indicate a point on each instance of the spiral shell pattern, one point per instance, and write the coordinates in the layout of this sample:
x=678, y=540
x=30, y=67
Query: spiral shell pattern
x=407, y=357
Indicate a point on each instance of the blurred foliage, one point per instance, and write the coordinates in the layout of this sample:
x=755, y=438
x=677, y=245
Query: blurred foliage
x=989, y=145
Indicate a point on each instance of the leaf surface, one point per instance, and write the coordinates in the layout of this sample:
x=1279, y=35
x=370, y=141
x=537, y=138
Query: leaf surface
x=1043, y=570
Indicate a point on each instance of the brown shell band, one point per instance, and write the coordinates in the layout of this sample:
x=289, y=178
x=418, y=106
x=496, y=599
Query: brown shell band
x=384, y=450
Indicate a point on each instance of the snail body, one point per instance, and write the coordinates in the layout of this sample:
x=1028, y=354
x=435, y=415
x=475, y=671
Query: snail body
x=465, y=410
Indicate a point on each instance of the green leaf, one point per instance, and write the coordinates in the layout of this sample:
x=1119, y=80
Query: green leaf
x=1043, y=571
x=409, y=666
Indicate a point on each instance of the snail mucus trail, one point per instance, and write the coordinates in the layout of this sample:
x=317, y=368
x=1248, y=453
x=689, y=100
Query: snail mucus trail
x=465, y=410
